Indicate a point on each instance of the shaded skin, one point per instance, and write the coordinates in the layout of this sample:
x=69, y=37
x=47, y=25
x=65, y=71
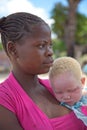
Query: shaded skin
x=30, y=56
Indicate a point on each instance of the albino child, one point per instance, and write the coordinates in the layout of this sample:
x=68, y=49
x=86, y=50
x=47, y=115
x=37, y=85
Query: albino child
x=67, y=82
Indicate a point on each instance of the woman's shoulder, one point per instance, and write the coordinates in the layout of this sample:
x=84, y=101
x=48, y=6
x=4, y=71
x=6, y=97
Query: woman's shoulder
x=46, y=84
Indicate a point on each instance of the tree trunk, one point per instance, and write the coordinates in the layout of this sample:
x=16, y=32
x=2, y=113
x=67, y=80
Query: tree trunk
x=70, y=27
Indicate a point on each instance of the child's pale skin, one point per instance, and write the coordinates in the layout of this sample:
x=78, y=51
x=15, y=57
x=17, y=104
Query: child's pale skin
x=67, y=89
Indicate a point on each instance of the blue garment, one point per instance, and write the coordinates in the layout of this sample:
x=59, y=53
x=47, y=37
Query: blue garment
x=84, y=69
x=77, y=109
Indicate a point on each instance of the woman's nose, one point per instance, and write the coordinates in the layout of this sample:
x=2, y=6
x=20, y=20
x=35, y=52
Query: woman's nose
x=49, y=51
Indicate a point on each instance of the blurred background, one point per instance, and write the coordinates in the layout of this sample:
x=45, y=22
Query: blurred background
x=67, y=20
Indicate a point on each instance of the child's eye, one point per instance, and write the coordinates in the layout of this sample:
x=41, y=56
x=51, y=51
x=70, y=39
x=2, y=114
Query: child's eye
x=59, y=92
x=73, y=90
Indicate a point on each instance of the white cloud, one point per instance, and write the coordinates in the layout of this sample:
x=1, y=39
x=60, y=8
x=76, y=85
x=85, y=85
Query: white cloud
x=11, y=6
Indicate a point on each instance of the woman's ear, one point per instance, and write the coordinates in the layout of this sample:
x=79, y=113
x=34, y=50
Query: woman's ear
x=11, y=49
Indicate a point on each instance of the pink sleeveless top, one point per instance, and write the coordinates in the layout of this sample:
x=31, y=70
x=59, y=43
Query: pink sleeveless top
x=30, y=116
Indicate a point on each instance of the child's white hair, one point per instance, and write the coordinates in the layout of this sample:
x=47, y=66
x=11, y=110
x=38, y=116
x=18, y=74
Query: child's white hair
x=66, y=64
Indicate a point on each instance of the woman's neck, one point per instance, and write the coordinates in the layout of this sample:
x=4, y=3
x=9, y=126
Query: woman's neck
x=26, y=80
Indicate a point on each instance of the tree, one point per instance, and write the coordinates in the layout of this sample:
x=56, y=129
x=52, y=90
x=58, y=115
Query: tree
x=81, y=30
x=66, y=25
x=70, y=27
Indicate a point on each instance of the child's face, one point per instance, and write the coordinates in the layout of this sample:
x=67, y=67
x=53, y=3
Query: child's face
x=67, y=89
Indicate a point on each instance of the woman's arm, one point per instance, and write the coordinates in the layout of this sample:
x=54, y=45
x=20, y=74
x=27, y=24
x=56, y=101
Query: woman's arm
x=8, y=120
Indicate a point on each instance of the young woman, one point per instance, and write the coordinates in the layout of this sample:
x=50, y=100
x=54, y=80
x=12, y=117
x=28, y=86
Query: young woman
x=27, y=102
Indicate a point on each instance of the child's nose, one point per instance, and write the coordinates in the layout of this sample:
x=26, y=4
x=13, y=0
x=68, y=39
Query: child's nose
x=66, y=96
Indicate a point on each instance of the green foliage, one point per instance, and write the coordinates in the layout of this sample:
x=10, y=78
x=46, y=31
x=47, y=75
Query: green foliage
x=1, y=47
x=60, y=14
x=58, y=48
x=81, y=32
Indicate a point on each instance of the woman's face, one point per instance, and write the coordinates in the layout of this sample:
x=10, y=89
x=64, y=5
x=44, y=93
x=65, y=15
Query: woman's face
x=67, y=89
x=35, y=52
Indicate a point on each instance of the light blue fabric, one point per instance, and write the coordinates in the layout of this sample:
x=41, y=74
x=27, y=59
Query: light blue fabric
x=77, y=109
x=85, y=69
x=85, y=88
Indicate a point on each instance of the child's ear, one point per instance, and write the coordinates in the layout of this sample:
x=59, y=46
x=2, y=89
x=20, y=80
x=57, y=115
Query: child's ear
x=83, y=80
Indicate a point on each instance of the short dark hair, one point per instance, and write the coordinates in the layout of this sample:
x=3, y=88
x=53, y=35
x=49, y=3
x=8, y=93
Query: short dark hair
x=16, y=25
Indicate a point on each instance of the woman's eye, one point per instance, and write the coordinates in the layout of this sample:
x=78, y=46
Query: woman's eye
x=51, y=45
x=41, y=46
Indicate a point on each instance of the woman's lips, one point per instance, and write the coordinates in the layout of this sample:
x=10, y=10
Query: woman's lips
x=49, y=63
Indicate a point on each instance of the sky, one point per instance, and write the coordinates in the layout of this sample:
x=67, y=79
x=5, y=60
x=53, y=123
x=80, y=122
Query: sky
x=41, y=8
